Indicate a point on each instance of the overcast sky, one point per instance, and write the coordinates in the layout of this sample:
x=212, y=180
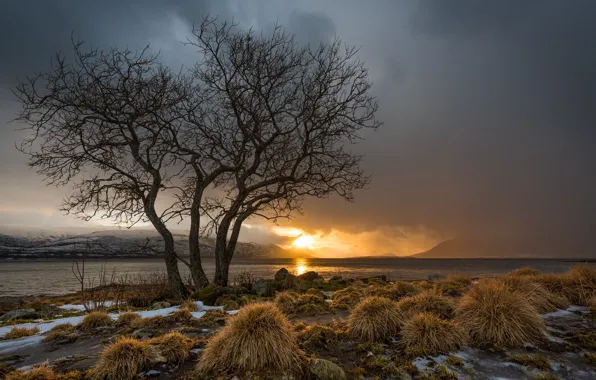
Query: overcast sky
x=489, y=107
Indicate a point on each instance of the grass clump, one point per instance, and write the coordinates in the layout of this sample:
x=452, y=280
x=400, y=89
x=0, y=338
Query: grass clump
x=181, y=316
x=128, y=319
x=346, y=298
x=543, y=300
x=258, y=338
x=319, y=336
x=59, y=332
x=155, y=322
x=375, y=319
x=454, y=286
x=427, y=302
x=37, y=373
x=174, y=347
x=455, y=361
x=589, y=358
x=426, y=334
x=587, y=338
x=95, y=320
x=212, y=317
x=526, y=271
x=123, y=360
x=401, y=289
x=493, y=314
x=537, y=361
x=439, y=373
x=311, y=304
x=20, y=332
x=285, y=301
x=581, y=284
x=189, y=305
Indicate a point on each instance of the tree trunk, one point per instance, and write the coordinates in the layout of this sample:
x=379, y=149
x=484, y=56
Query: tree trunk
x=221, y=268
x=196, y=268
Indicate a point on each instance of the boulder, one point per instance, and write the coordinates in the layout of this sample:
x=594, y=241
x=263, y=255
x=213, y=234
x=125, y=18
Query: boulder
x=309, y=276
x=20, y=314
x=325, y=370
x=208, y=295
x=223, y=291
x=263, y=288
x=285, y=280
x=144, y=333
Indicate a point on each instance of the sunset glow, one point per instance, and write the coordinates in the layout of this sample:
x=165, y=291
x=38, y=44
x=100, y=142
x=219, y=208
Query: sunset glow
x=303, y=241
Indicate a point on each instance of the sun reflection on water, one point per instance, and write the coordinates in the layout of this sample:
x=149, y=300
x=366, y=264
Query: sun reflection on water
x=301, y=266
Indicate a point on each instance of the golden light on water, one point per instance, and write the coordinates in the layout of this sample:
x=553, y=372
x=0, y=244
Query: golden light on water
x=301, y=266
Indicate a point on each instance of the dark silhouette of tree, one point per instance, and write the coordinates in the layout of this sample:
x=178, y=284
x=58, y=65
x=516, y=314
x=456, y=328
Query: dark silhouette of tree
x=270, y=127
x=102, y=124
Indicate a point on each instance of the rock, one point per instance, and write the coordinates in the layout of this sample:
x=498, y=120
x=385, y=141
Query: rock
x=208, y=295
x=20, y=314
x=285, y=280
x=144, y=333
x=160, y=305
x=224, y=291
x=263, y=288
x=325, y=370
x=309, y=276
x=82, y=365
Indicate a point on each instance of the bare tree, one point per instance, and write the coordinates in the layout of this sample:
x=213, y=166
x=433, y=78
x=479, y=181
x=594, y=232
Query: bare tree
x=271, y=125
x=102, y=123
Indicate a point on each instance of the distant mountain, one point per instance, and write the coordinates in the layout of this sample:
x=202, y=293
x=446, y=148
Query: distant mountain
x=121, y=243
x=552, y=247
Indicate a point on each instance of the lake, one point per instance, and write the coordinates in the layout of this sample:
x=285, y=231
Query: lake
x=55, y=277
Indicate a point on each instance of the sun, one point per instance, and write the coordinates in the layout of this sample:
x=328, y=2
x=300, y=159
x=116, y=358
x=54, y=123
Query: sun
x=303, y=241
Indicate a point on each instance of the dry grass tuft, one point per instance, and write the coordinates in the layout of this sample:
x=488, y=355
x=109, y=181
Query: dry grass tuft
x=346, y=298
x=527, y=271
x=124, y=359
x=285, y=302
x=37, y=373
x=592, y=305
x=580, y=286
x=181, y=316
x=311, y=304
x=401, y=289
x=59, y=332
x=128, y=319
x=189, y=305
x=20, y=332
x=543, y=300
x=454, y=286
x=95, y=320
x=375, y=319
x=320, y=336
x=427, y=302
x=212, y=317
x=537, y=361
x=258, y=338
x=174, y=346
x=426, y=334
x=493, y=314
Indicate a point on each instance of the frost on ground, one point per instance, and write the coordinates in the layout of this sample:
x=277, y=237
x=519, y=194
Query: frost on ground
x=8, y=346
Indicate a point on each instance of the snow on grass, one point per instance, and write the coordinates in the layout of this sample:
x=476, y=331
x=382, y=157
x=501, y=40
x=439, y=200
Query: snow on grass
x=9, y=346
x=569, y=312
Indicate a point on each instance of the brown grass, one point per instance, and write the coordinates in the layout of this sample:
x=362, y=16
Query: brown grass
x=493, y=314
x=538, y=296
x=20, y=332
x=455, y=285
x=427, y=302
x=426, y=334
x=212, y=317
x=124, y=359
x=95, y=320
x=181, y=316
x=37, y=373
x=258, y=338
x=320, y=336
x=59, y=332
x=128, y=319
x=592, y=305
x=401, y=289
x=537, y=361
x=174, y=347
x=157, y=321
x=581, y=284
x=526, y=271
x=189, y=305
x=285, y=302
x=375, y=319
x=346, y=298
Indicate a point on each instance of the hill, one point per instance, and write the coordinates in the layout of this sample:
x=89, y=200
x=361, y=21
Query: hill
x=512, y=247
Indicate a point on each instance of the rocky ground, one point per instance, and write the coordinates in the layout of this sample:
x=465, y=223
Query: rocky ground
x=566, y=352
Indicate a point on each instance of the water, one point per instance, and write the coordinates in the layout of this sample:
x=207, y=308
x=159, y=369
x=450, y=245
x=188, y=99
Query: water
x=55, y=277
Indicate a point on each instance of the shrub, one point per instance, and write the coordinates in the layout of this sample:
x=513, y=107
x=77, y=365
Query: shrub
x=95, y=320
x=319, y=336
x=189, y=305
x=124, y=359
x=208, y=294
x=526, y=271
x=20, y=332
x=538, y=361
x=426, y=334
x=538, y=296
x=427, y=302
x=59, y=332
x=285, y=302
x=37, y=373
x=492, y=314
x=128, y=319
x=174, y=347
x=258, y=338
x=375, y=319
